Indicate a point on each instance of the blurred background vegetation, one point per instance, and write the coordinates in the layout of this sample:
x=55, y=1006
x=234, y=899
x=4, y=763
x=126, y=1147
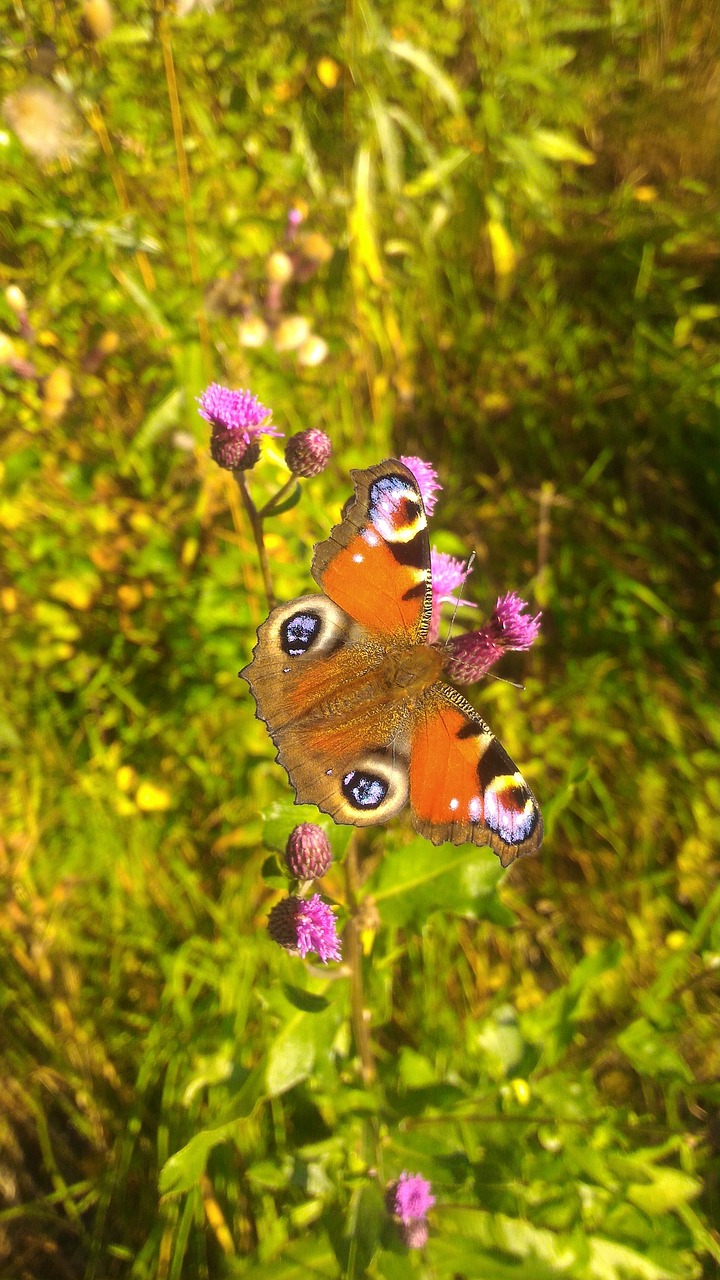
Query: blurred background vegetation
x=507, y=263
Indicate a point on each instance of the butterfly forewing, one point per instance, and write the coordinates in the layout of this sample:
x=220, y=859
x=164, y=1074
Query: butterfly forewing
x=376, y=563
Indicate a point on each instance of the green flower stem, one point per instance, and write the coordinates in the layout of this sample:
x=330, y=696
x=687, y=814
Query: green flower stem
x=359, y=1016
x=269, y=507
x=256, y=524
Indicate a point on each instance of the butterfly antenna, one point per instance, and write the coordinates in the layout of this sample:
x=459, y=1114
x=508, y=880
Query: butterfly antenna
x=466, y=575
x=504, y=680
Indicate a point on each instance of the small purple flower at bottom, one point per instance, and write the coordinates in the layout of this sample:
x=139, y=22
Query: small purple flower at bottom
x=471, y=655
x=414, y=1234
x=408, y=1200
x=305, y=924
x=238, y=419
x=427, y=481
x=448, y=573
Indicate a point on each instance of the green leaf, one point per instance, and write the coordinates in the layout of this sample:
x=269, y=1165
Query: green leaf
x=305, y=1036
x=558, y=146
x=159, y=421
x=650, y=1053
x=436, y=174
x=665, y=1190
x=185, y=1168
x=501, y=1041
x=612, y=1261
x=286, y=504
x=576, y=1255
x=389, y=140
x=424, y=62
x=309, y=1258
x=552, y=1025
x=413, y=882
x=307, y=1001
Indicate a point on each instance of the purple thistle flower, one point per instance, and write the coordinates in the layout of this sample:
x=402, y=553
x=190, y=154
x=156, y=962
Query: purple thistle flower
x=301, y=925
x=448, y=573
x=238, y=419
x=308, y=854
x=308, y=452
x=408, y=1200
x=427, y=481
x=413, y=1196
x=471, y=655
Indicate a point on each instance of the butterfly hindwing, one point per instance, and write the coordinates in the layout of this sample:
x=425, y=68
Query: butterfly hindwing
x=376, y=563
x=463, y=785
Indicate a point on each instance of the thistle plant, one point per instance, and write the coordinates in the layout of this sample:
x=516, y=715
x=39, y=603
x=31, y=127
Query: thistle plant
x=302, y=921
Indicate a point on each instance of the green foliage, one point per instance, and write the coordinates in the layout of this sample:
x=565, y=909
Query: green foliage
x=514, y=271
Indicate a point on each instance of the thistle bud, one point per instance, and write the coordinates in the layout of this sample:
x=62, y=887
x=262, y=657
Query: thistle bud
x=313, y=351
x=252, y=332
x=291, y=333
x=279, y=267
x=308, y=854
x=233, y=451
x=308, y=452
x=16, y=299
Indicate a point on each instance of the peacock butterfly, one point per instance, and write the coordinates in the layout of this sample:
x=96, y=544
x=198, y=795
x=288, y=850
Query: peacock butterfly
x=353, y=695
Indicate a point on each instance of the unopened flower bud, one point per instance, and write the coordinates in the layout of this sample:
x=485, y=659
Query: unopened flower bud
x=98, y=18
x=414, y=1234
x=313, y=351
x=7, y=349
x=16, y=299
x=232, y=451
x=308, y=854
x=316, y=247
x=291, y=333
x=252, y=332
x=308, y=452
x=279, y=267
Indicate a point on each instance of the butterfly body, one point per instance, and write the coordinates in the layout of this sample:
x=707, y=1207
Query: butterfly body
x=353, y=695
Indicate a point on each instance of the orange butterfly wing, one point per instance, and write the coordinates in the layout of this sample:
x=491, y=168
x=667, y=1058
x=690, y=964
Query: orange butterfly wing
x=376, y=563
x=463, y=785
x=332, y=677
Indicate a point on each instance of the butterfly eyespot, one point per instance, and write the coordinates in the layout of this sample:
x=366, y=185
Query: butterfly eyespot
x=299, y=633
x=509, y=809
x=364, y=790
x=395, y=510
